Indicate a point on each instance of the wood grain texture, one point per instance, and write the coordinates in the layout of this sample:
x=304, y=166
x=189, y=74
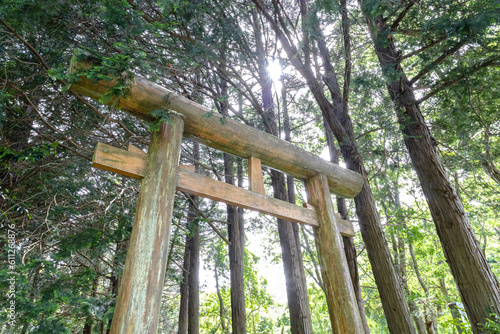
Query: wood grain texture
x=344, y=225
x=134, y=165
x=255, y=178
x=219, y=132
x=129, y=163
x=139, y=299
x=203, y=186
x=135, y=149
x=341, y=300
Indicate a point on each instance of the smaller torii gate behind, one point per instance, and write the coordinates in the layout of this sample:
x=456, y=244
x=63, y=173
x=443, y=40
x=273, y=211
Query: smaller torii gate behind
x=139, y=298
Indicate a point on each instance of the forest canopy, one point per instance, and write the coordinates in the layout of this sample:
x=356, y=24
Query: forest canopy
x=403, y=92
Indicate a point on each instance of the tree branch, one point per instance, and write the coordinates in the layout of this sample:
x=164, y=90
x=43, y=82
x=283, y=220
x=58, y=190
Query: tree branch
x=208, y=220
x=474, y=69
x=430, y=45
x=401, y=16
x=438, y=61
x=28, y=45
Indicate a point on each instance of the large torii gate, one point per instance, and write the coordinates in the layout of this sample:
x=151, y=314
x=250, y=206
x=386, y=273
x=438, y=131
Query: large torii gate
x=139, y=298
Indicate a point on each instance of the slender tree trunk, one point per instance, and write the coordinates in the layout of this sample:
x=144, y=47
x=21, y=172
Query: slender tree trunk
x=236, y=232
x=194, y=279
x=452, y=306
x=298, y=301
x=115, y=278
x=398, y=245
x=415, y=312
x=89, y=322
x=477, y=285
x=428, y=318
x=236, y=256
x=432, y=316
x=194, y=260
x=290, y=181
x=184, y=287
x=189, y=285
x=222, y=309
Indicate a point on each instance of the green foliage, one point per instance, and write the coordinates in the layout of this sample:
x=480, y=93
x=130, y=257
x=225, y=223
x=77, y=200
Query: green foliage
x=492, y=326
x=31, y=154
x=161, y=115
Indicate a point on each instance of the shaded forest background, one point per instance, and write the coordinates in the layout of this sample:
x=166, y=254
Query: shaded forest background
x=72, y=222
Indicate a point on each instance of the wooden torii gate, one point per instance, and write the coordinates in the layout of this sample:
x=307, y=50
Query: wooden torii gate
x=139, y=298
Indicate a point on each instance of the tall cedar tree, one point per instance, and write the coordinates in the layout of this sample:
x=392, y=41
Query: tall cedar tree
x=477, y=285
x=235, y=231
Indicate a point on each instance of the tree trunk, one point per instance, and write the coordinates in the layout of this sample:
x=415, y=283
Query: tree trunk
x=236, y=232
x=194, y=260
x=194, y=279
x=455, y=312
x=398, y=246
x=188, y=285
x=477, y=285
x=222, y=309
x=89, y=322
x=236, y=256
x=115, y=279
x=298, y=301
x=290, y=181
x=184, y=289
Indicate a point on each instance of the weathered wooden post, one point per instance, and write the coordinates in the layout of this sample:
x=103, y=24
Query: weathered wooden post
x=342, y=307
x=139, y=298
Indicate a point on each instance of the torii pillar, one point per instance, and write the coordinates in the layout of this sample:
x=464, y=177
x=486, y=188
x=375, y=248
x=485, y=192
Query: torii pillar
x=139, y=297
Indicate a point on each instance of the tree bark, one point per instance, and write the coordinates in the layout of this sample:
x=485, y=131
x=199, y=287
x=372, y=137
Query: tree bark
x=298, y=301
x=184, y=289
x=188, y=284
x=194, y=279
x=193, y=242
x=290, y=180
x=477, y=285
x=235, y=231
x=236, y=256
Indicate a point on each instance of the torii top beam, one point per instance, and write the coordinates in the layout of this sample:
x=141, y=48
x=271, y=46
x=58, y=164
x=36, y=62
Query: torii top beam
x=228, y=135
